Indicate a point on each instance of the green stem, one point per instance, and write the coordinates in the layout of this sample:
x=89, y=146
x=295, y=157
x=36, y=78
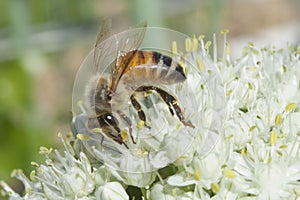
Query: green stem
x=144, y=192
x=160, y=178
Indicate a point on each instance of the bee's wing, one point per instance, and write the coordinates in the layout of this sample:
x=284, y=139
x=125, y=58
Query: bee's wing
x=127, y=41
x=104, y=33
x=108, y=49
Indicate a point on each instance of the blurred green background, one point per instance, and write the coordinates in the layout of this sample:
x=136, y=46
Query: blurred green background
x=42, y=44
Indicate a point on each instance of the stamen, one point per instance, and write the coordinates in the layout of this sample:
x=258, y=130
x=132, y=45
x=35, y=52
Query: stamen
x=174, y=192
x=207, y=45
x=32, y=175
x=215, y=188
x=224, y=31
x=45, y=151
x=227, y=51
x=139, y=152
x=278, y=119
x=252, y=128
x=229, y=92
x=124, y=134
x=97, y=130
x=194, y=44
x=183, y=66
x=201, y=37
x=178, y=126
x=250, y=86
x=83, y=137
x=298, y=50
x=244, y=151
x=200, y=64
x=140, y=125
x=290, y=106
x=147, y=93
x=273, y=137
x=34, y=164
x=174, y=48
x=291, y=47
x=188, y=45
x=296, y=191
x=80, y=105
x=197, y=175
x=230, y=174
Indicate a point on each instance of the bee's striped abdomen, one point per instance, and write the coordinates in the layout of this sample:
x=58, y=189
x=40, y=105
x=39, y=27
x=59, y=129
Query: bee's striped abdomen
x=151, y=66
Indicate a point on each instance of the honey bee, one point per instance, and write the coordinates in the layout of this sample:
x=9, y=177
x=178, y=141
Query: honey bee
x=133, y=71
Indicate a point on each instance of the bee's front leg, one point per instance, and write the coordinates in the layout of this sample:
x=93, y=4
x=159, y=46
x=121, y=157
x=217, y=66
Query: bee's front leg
x=127, y=120
x=118, y=139
x=137, y=106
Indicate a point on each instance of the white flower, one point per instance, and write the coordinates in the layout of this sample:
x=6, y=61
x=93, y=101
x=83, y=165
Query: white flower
x=62, y=177
x=273, y=179
x=162, y=192
x=245, y=144
x=111, y=190
x=201, y=98
x=203, y=172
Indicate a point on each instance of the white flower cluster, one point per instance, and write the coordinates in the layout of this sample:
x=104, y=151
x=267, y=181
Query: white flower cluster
x=66, y=177
x=255, y=156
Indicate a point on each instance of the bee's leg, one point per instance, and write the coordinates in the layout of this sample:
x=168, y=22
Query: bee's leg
x=118, y=139
x=138, y=108
x=127, y=120
x=170, y=101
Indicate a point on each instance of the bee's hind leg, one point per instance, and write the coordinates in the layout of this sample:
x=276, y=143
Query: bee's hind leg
x=171, y=102
x=173, y=106
x=137, y=106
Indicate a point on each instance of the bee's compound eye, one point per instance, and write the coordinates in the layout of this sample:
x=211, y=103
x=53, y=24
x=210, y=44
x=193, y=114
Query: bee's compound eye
x=108, y=119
